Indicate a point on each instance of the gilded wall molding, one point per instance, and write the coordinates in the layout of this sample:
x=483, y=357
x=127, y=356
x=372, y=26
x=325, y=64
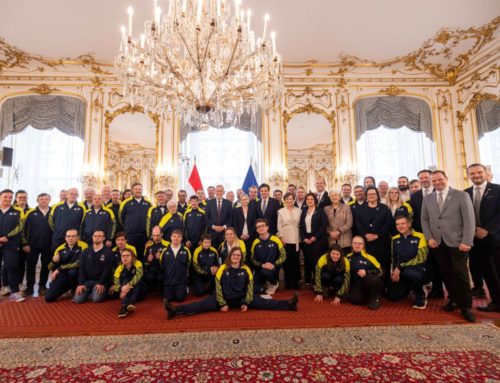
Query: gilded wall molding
x=308, y=95
x=44, y=89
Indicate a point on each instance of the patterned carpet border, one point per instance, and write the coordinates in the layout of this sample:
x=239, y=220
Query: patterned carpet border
x=74, y=351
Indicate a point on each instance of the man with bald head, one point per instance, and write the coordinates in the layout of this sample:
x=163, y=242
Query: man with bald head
x=64, y=216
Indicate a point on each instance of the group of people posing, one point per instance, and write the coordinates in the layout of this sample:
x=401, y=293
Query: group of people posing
x=394, y=242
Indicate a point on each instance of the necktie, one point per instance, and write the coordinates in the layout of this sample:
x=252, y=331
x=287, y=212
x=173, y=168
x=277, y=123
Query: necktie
x=264, y=206
x=440, y=201
x=477, y=204
x=218, y=210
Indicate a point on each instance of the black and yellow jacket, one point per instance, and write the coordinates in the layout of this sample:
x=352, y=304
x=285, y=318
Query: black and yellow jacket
x=133, y=216
x=363, y=261
x=223, y=251
x=117, y=254
x=408, y=251
x=63, y=218
x=65, y=258
x=155, y=214
x=204, y=259
x=233, y=284
x=171, y=222
x=123, y=276
x=103, y=219
x=37, y=232
x=195, y=222
x=154, y=248
x=12, y=226
x=175, y=268
x=323, y=263
x=269, y=250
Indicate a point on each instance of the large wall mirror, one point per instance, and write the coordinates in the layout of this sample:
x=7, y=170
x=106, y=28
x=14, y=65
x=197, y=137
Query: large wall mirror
x=131, y=148
x=310, y=147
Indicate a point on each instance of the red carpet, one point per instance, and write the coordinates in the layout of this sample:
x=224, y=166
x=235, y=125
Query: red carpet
x=35, y=318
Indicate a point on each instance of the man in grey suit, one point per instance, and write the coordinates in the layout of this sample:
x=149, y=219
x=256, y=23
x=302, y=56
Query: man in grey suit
x=448, y=224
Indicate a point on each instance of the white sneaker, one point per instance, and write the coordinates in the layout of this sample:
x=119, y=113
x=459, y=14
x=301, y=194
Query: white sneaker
x=16, y=297
x=266, y=296
x=272, y=288
x=5, y=290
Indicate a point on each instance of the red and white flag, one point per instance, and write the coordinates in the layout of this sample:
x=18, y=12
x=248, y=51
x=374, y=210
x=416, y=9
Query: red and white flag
x=194, y=182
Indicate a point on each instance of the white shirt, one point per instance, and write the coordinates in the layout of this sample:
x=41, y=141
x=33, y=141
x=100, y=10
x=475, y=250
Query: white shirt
x=346, y=200
x=405, y=196
x=300, y=203
x=481, y=190
x=175, y=250
x=70, y=205
x=426, y=192
x=445, y=193
x=308, y=221
x=320, y=195
x=138, y=200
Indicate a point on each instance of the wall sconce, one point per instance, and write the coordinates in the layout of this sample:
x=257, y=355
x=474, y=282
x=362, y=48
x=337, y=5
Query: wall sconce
x=164, y=177
x=278, y=174
x=92, y=176
x=347, y=176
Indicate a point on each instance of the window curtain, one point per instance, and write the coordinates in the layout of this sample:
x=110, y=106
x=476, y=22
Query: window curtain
x=488, y=116
x=393, y=112
x=43, y=112
x=246, y=122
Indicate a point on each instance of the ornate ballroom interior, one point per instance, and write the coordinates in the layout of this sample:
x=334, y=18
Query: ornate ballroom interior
x=446, y=62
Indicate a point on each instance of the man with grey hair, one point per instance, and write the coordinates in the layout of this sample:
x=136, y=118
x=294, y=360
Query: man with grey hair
x=383, y=188
x=88, y=197
x=171, y=221
x=219, y=216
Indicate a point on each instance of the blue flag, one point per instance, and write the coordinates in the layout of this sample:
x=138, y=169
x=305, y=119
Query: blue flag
x=250, y=180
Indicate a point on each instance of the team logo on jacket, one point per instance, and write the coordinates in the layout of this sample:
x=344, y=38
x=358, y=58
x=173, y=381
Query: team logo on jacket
x=241, y=273
x=102, y=258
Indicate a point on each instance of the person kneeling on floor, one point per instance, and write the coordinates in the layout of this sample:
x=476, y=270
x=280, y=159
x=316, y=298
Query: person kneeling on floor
x=95, y=268
x=234, y=289
x=332, y=275
x=128, y=282
x=409, y=255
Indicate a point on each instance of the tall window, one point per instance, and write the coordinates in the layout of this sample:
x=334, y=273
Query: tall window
x=387, y=153
x=489, y=149
x=222, y=156
x=44, y=161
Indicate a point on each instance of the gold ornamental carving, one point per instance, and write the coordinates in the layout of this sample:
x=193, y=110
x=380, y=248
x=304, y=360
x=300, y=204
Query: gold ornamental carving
x=308, y=95
x=392, y=90
x=44, y=89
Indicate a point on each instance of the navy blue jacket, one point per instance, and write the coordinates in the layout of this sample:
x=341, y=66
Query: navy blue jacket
x=133, y=216
x=175, y=268
x=62, y=218
x=11, y=226
x=96, y=266
x=37, y=232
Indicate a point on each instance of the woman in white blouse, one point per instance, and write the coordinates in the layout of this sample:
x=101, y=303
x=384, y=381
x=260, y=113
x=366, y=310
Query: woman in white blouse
x=288, y=232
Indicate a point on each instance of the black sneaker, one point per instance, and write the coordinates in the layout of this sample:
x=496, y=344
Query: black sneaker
x=467, y=315
x=171, y=310
x=374, y=304
x=29, y=292
x=42, y=291
x=123, y=312
x=292, y=303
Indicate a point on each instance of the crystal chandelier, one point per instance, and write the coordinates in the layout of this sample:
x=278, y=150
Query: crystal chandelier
x=202, y=60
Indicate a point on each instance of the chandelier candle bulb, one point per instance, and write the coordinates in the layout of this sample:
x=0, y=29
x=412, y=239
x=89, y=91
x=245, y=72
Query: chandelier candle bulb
x=184, y=6
x=249, y=15
x=130, y=14
x=155, y=5
x=237, y=9
x=273, y=39
x=198, y=12
x=158, y=16
x=266, y=19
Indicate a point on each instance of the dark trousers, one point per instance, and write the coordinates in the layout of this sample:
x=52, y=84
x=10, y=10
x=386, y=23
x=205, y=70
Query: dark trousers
x=31, y=261
x=137, y=294
x=217, y=238
x=410, y=278
x=10, y=271
x=368, y=289
x=22, y=265
x=455, y=273
x=487, y=253
x=210, y=304
x=291, y=267
x=139, y=242
x=475, y=269
x=153, y=278
x=312, y=253
x=66, y=280
x=175, y=292
x=203, y=284
x=434, y=273
x=331, y=281
x=381, y=250
x=261, y=276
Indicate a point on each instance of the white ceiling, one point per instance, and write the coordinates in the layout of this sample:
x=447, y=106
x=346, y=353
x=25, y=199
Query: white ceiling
x=135, y=128
x=312, y=29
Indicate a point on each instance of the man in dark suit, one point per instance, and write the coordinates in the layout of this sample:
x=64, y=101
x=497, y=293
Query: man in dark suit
x=322, y=194
x=485, y=198
x=267, y=207
x=448, y=224
x=424, y=177
x=218, y=216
